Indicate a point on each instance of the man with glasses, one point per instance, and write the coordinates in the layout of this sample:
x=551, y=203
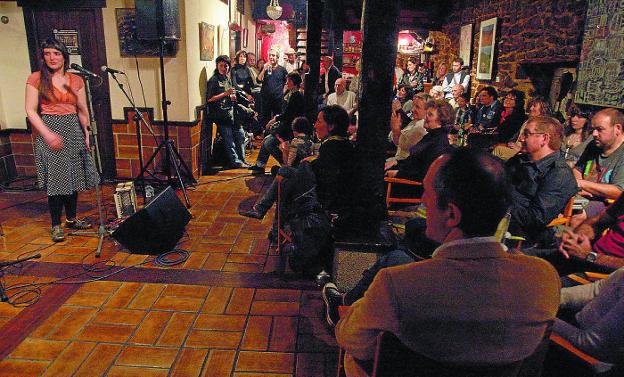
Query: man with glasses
x=541, y=181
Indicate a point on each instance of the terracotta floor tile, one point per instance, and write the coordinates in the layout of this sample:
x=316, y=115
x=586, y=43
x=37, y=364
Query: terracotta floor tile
x=246, y=374
x=52, y=322
x=178, y=304
x=71, y=358
x=195, y=261
x=284, y=334
x=93, y=299
x=240, y=303
x=101, y=286
x=220, y=322
x=8, y=310
x=243, y=267
x=176, y=330
x=214, y=262
x=289, y=295
x=214, y=339
x=192, y=291
x=99, y=360
x=106, y=333
x=147, y=296
x=22, y=368
x=141, y=356
x=217, y=300
x=189, y=363
x=123, y=371
x=39, y=349
x=123, y=296
x=120, y=316
x=256, y=336
x=152, y=326
x=275, y=308
x=250, y=361
x=246, y=258
x=72, y=324
x=219, y=364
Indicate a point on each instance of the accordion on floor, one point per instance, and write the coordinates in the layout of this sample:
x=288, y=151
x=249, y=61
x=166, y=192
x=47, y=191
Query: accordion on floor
x=125, y=199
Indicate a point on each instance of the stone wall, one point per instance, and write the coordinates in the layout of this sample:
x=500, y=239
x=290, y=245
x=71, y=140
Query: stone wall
x=529, y=31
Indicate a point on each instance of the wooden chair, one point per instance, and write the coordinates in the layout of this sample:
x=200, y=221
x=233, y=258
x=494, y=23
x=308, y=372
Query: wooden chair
x=393, y=359
x=565, y=217
x=564, y=359
x=390, y=181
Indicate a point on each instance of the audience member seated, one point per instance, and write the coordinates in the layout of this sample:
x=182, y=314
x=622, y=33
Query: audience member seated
x=439, y=119
x=402, y=94
x=488, y=115
x=512, y=298
x=342, y=97
x=463, y=112
x=576, y=135
x=541, y=181
x=329, y=77
x=599, y=308
x=300, y=146
x=436, y=93
x=538, y=106
x=457, y=77
x=512, y=118
x=456, y=92
x=441, y=75
x=411, y=135
x=280, y=125
x=600, y=169
x=586, y=248
x=414, y=77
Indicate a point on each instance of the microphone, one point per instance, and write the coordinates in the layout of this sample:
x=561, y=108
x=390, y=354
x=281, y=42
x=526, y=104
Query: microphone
x=83, y=71
x=111, y=70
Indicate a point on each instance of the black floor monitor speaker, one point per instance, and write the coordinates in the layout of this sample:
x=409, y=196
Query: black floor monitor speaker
x=157, y=227
x=157, y=19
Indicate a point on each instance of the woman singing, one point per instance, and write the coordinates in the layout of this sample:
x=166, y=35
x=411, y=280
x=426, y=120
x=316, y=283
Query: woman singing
x=56, y=106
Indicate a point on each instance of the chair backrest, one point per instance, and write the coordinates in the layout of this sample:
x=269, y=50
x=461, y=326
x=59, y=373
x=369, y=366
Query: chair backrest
x=390, y=181
x=394, y=359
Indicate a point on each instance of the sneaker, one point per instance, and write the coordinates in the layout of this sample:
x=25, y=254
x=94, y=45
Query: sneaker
x=322, y=278
x=77, y=224
x=332, y=299
x=253, y=213
x=57, y=233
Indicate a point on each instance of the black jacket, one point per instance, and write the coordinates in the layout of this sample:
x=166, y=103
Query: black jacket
x=433, y=144
x=291, y=109
x=334, y=74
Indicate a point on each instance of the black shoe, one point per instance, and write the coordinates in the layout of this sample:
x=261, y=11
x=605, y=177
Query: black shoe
x=257, y=170
x=332, y=299
x=322, y=278
x=253, y=213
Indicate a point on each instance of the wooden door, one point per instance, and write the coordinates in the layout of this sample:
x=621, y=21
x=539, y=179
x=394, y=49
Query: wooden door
x=41, y=23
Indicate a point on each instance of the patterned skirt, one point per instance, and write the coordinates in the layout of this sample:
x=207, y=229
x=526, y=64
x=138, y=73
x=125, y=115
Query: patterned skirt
x=70, y=169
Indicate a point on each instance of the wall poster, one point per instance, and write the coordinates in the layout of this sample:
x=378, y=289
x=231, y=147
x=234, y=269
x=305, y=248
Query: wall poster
x=206, y=41
x=465, y=44
x=487, y=45
x=601, y=69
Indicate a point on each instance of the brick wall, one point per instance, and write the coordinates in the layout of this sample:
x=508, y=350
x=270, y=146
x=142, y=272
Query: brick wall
x=185, y=137
x=7, y=162
x=22, y=147
x=529, y=31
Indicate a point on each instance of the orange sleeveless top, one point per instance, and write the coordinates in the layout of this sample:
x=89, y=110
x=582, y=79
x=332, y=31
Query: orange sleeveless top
x=62, y=103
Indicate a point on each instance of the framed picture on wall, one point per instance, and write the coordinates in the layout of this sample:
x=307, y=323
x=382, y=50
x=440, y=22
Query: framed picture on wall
x=465, y=44
x=245, y=37
x=206, y=41
x=487, y=46
x=224, y=40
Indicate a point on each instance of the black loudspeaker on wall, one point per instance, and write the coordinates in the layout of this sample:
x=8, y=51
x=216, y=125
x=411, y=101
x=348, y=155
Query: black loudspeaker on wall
x=157, y=227
x=156, y=19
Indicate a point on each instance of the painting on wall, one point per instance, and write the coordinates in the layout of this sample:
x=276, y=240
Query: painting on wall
x=465, y=44
x=224, y=40
x=601, y=67
x=206, y=41
x=487, y=45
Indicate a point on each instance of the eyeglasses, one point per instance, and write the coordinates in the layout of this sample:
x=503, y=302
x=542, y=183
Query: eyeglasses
x=527, y=133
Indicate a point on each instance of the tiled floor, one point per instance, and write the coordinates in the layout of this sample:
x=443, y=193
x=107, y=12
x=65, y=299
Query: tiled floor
x=224, y=312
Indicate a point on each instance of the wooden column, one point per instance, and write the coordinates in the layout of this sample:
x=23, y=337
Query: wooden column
x=379, y=49
x=313, y=57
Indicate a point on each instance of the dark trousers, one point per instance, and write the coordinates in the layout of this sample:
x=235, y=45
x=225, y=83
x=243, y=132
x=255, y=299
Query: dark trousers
x=270, y=107
x=56, y=204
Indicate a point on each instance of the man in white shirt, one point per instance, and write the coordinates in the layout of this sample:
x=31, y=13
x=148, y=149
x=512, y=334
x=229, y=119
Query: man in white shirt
x=342, y=97
x=458, y=76
x=291, y=62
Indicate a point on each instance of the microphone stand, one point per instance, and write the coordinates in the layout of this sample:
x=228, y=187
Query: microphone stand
x=3, y=296
x=138, y=118
x=95, y=156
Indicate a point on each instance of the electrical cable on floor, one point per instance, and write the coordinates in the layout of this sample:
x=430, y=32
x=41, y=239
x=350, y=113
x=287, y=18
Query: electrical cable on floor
x=165, y=260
